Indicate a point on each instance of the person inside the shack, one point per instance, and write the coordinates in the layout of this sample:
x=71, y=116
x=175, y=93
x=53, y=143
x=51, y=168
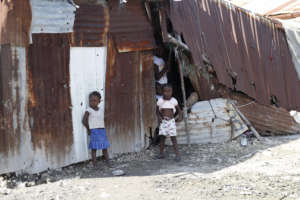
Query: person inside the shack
x=93, y=120
x=160, y=70
x=166, y=110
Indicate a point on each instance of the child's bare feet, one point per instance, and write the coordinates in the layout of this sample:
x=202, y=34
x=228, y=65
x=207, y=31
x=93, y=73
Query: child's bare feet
x=160, y=156
x=177, y=159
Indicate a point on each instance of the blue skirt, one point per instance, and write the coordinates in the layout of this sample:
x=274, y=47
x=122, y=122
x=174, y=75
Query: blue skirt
x=98, y=139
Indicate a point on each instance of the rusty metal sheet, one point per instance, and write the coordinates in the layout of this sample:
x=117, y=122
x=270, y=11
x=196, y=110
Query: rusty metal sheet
x=148, y=92
x=91, y=25
x=130, y=27
x=10, y=99
x=268, y=120
x=15, y=21
x=238, y=42
x=124, y=119
x=49, y=105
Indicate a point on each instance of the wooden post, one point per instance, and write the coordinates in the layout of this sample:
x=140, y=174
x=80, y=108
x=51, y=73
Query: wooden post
x=185, y=117
x=247, y=122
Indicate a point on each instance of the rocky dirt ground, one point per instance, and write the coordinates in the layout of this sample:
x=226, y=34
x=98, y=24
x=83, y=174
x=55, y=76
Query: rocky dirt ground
x=268, y=170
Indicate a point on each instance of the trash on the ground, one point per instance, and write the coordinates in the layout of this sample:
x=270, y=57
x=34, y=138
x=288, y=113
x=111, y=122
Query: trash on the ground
x=296, y=116
x=118, y=172
x=244, y=140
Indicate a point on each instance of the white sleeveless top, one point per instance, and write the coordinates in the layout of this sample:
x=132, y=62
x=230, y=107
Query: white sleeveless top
x=160, y=63
x=167, y=104
x=96, y=117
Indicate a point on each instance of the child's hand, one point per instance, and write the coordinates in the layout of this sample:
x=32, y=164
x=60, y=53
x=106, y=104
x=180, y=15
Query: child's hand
x=89, y=132
x=159, y=119
x=179, y=119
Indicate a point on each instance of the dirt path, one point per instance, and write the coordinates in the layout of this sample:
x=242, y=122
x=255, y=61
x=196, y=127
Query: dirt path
x=213, y=171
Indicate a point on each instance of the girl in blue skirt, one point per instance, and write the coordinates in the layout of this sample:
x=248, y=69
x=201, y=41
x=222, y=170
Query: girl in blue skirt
x=93, y=120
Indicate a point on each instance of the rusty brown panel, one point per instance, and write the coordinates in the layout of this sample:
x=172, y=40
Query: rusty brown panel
x=267, y=119
x=15, y=22
x=91, y=25
x=122, y=99
x=130, y=27
x=10, y=133
x=148, y=92
x=253, y=47
x=49, y=104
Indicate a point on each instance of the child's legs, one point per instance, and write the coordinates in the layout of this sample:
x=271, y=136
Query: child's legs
x=94, y=151
x=174, y=141
x=105, y=154
x=162, y=144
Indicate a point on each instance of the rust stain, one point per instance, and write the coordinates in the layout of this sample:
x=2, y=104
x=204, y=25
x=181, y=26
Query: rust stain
x=130, y=27
x=148, y=92
x=253, y=48
x=91, y=25
x=10, y=127
x=49, y=107
x=130, y=79
x=268, y=120
x=15, y=22
x=138, y=46
x=122, y=86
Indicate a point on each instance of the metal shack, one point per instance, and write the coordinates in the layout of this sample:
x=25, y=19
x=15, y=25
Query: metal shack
x=254, y=57
x=53, y=53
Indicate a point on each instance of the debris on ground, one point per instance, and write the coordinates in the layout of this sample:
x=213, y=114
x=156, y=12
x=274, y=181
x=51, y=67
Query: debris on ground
x=268, y=170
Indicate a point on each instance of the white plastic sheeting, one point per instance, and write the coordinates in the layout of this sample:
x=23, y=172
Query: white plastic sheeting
x=52, y=16
x=205, y=127
x=292, y=29
x=87, y=74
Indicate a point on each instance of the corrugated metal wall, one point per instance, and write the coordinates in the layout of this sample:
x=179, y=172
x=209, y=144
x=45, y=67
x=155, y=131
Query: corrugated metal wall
x=130, y=27
x=49, y=106
x=45, y=82
x=125, y=80
x=52, y=16
x=87, y=74
x=238, y=42
x=15, y=21
x=91, y=25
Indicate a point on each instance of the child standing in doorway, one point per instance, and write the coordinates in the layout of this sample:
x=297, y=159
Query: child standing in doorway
x=93, y=120
x=166, y=110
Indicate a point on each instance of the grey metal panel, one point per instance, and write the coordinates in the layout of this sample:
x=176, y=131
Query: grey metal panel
x=55, y=16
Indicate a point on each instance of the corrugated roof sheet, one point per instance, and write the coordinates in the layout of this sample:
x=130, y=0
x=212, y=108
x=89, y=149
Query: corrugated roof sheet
x=238, y=42
x=52, y=16
x=130, y=27
x=91, y=25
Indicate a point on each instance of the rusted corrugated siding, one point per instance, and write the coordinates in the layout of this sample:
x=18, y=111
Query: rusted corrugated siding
x=130, y=27
x=122, y=101
x=49, y=98
x=267, y=119
x=15, y=21
x=10, y=122
x=91, y=25
x=148, y=92
x=238, y=42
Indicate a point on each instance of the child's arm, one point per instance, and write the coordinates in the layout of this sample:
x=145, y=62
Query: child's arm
x=158, y=114
x=180, y=116
x=85, y=121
